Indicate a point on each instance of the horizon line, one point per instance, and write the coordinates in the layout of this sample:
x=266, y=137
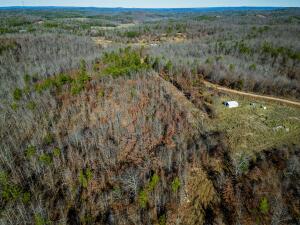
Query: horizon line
x=120, y=7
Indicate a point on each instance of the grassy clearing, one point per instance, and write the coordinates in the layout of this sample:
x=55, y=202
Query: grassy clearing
x=251, y=128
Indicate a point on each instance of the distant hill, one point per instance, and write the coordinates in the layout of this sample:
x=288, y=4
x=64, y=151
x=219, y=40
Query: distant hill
x=119, y=9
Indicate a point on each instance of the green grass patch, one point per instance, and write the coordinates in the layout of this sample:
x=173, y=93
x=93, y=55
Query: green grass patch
x=251, y=128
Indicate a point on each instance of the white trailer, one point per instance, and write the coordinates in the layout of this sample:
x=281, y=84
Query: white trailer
x=231, y=104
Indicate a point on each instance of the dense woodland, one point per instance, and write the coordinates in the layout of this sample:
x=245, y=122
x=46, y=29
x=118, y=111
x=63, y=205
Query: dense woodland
x=114, y=134
x=251, y=50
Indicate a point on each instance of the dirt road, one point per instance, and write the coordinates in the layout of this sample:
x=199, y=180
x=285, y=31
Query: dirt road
x=263, y=97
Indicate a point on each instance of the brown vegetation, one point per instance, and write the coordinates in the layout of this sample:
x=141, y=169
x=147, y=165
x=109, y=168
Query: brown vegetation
x=122, y=136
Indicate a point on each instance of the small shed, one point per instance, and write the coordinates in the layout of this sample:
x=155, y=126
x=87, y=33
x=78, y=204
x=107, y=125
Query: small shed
x=231, y=104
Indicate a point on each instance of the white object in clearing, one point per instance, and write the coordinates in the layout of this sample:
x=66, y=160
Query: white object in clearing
x=231, y=104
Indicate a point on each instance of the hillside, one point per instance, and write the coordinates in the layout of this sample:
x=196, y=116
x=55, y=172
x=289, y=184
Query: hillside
x=119, y=118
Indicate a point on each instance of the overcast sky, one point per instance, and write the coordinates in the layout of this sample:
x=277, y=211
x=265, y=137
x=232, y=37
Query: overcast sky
x=151, y=3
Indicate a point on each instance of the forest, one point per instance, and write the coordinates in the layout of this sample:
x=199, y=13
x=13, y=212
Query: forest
x=106, y=116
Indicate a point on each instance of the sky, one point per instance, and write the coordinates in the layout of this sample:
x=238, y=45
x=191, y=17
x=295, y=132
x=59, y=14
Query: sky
x=152, y=3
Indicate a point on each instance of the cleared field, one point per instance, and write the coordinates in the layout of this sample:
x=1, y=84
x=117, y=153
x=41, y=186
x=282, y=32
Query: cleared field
x=120, y=26
x=250, y=128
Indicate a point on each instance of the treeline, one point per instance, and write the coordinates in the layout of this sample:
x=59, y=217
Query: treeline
x=149, y=22
x=262, y=59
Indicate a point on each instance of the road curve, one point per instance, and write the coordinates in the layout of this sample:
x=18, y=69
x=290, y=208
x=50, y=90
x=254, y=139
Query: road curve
x=225, y=89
